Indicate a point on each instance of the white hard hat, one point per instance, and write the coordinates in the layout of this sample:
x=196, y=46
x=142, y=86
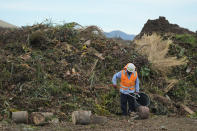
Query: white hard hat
x=131, y=67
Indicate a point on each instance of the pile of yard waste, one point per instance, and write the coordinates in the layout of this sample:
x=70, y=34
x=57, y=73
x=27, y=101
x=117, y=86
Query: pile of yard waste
x=60, y=69
x=68, y=67
x=172, y=52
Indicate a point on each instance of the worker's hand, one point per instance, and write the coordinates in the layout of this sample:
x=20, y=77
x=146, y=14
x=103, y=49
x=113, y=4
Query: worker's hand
x=115, y=87
x=137, y=94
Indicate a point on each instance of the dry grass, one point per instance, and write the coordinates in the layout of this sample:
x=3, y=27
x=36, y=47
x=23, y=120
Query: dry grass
x=156, y=49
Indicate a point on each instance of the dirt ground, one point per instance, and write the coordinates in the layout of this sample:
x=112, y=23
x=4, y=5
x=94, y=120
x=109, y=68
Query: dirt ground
x=115, y=124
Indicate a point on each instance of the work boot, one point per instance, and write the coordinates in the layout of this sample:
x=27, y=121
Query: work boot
x=130, y=111
x=133, y=114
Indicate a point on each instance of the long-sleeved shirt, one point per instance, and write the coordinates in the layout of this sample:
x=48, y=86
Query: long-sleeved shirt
x=118, y=75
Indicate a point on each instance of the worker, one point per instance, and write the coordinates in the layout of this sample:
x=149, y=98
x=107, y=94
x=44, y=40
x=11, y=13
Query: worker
x=129, y=85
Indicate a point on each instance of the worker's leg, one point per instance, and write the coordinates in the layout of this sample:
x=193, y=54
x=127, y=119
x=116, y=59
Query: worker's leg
x=123, y=102
x=131, y=102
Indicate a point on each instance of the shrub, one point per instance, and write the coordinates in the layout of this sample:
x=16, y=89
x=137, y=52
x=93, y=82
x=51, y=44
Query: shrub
x=38, y=40
x=181, y=91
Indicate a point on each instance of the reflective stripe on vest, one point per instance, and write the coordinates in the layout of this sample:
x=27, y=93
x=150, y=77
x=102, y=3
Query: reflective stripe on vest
x=126, y=83
x=126, y=88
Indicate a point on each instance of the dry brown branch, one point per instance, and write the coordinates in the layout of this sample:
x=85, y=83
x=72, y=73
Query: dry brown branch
x=161, y=99
x=94, y=66
x=187, y=109
x=168, y=102
x=170, y=85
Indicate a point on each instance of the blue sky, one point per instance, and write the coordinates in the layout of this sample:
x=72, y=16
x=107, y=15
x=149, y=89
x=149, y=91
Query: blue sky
x=125, y=15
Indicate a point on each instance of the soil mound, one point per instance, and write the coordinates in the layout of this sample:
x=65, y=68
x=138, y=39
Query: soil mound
x=162, y=26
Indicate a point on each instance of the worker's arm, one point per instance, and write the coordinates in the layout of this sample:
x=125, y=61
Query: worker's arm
x=114, y=79
x=137, y=88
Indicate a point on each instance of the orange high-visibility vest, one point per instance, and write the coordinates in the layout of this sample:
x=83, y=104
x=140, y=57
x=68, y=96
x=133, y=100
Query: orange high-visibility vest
x=126, y=83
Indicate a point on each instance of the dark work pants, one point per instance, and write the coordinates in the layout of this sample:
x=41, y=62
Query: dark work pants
x=124, y=99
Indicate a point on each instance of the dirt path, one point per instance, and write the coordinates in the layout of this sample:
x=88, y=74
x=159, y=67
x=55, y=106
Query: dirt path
x=115, y=124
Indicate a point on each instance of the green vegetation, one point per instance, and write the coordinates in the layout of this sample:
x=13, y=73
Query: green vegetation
x=145, y=73
x=184, y=46
x=187, y=38
x=193, y=115
x=181, y=91
x=108, y=103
